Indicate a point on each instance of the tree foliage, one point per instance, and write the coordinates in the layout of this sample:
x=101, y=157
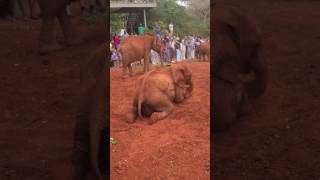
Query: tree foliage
x=116, y=22
x=184, y=20
x=193, y=19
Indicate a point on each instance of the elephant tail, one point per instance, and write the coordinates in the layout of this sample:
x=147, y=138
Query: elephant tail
x=140, y=101
x=141, y=97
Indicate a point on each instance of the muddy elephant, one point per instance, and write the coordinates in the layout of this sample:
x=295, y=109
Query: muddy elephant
x=135, y=48
x=237, y=51
x=157, y=90
x=91, y=131
x=203, y=51
x=49, y=10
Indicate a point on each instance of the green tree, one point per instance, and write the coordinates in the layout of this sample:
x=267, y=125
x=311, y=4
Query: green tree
x=116, y=23
x=183, y=18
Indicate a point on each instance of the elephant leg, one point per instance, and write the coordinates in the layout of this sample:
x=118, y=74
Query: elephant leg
x=47, y=42
x=146, y=62
x=163, y=109
x=67, y=26
x=130, y=70
x=124, y=70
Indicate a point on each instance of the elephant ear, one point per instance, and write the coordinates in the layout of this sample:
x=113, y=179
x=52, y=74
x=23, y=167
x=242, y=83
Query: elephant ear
x=178, y=74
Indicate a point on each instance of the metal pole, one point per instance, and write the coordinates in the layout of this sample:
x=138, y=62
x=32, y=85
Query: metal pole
x=145, y=18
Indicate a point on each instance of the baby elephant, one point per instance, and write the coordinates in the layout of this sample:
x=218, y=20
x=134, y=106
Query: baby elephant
x=157, y=90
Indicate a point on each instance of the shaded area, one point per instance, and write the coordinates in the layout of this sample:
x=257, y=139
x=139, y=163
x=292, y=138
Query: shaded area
x=282, y=140
x=38, y=96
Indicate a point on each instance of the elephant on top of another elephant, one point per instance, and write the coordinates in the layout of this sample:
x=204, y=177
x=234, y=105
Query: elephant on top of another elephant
x=135, y=48
x=157, y=90
x=238, y=50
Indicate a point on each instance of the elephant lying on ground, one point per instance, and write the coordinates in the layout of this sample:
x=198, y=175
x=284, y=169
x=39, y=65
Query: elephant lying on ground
x=237, y=51
x=157, y=90
x=203, y=51
x=135, y=48
x=91, y=132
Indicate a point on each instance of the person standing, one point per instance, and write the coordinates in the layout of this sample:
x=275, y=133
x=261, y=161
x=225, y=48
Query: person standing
x=189, y=48
x=171, y=28
x=178, y=52
x=192, y=47
x=167, y=50
x=141, y=30
x=183, y=49
x=116, y=41
x=157, y=29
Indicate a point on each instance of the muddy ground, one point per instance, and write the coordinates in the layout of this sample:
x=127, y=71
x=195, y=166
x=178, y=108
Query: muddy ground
x=282, y=140
x=177, y=147
x=38, y=98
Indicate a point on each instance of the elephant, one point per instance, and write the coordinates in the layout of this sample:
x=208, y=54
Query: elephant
x=49, y=10
x=202, y=51
x=238, y=50
x=135, y=48
x=91, y=128
x=157, y=90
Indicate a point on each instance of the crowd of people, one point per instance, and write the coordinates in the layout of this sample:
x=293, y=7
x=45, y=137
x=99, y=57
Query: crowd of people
x=176, y=49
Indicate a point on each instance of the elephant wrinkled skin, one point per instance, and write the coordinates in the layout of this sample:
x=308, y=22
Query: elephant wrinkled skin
x=135, y=48
x=237, y=50
x=157, y=90
x=90, y=138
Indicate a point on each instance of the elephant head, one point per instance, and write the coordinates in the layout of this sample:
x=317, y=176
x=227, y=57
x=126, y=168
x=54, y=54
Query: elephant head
x=238, y=43
x=182, y=78
x=237, y=50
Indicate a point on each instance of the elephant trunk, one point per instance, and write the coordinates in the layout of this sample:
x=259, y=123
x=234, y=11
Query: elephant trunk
x=258, y=86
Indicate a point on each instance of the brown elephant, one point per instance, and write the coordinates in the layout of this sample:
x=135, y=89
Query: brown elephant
x=157, y=90
x=202, y=51
x=91, y=131
x=49, y=10
x=135, y=48
x=237, y=51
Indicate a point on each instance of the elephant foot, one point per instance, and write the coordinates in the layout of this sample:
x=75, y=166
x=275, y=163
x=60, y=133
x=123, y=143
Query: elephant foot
x=74, y=41
x=49, y=48
x=157, y=116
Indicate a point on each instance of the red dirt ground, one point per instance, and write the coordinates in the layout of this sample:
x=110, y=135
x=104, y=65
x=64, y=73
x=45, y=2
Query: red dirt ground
x=177, y=147
x=282, y=140
x=37, y=99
